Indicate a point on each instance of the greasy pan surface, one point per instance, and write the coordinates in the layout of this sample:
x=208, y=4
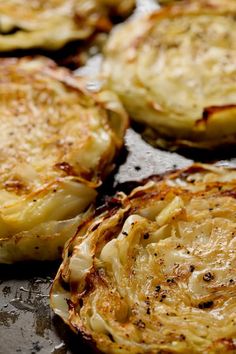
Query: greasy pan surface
x=27, y=324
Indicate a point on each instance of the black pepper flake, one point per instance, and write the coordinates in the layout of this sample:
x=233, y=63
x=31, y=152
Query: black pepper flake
x=162, y=297
x=206, y=305
x=140, y=324
x=34, y=200
x=155, y=254
x=146, y=236
x=158, y=288
x=148, y=311
x=208, y=276
x=124, y=233
x=182, y=337
x=191, y=268
x=170, y=280
x=231, y=281
x=210, y=209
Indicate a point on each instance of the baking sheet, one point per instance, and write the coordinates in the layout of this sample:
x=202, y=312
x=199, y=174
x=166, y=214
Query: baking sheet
x=27, y=325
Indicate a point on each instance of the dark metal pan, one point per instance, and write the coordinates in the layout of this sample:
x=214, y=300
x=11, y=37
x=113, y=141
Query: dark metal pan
x=27, y=325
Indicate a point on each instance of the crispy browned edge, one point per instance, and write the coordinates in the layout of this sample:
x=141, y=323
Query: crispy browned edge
x=173, y=10
x=109, y=208
x=77, y=84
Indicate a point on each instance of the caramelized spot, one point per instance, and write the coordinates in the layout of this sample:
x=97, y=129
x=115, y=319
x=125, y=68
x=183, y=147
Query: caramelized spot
x=65, y=167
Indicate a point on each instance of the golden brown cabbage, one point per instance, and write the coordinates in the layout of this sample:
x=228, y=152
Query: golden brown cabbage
x=45, y=24
x=174, y=70
x=156, y=271
x=51, y=24
x=58, y=141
